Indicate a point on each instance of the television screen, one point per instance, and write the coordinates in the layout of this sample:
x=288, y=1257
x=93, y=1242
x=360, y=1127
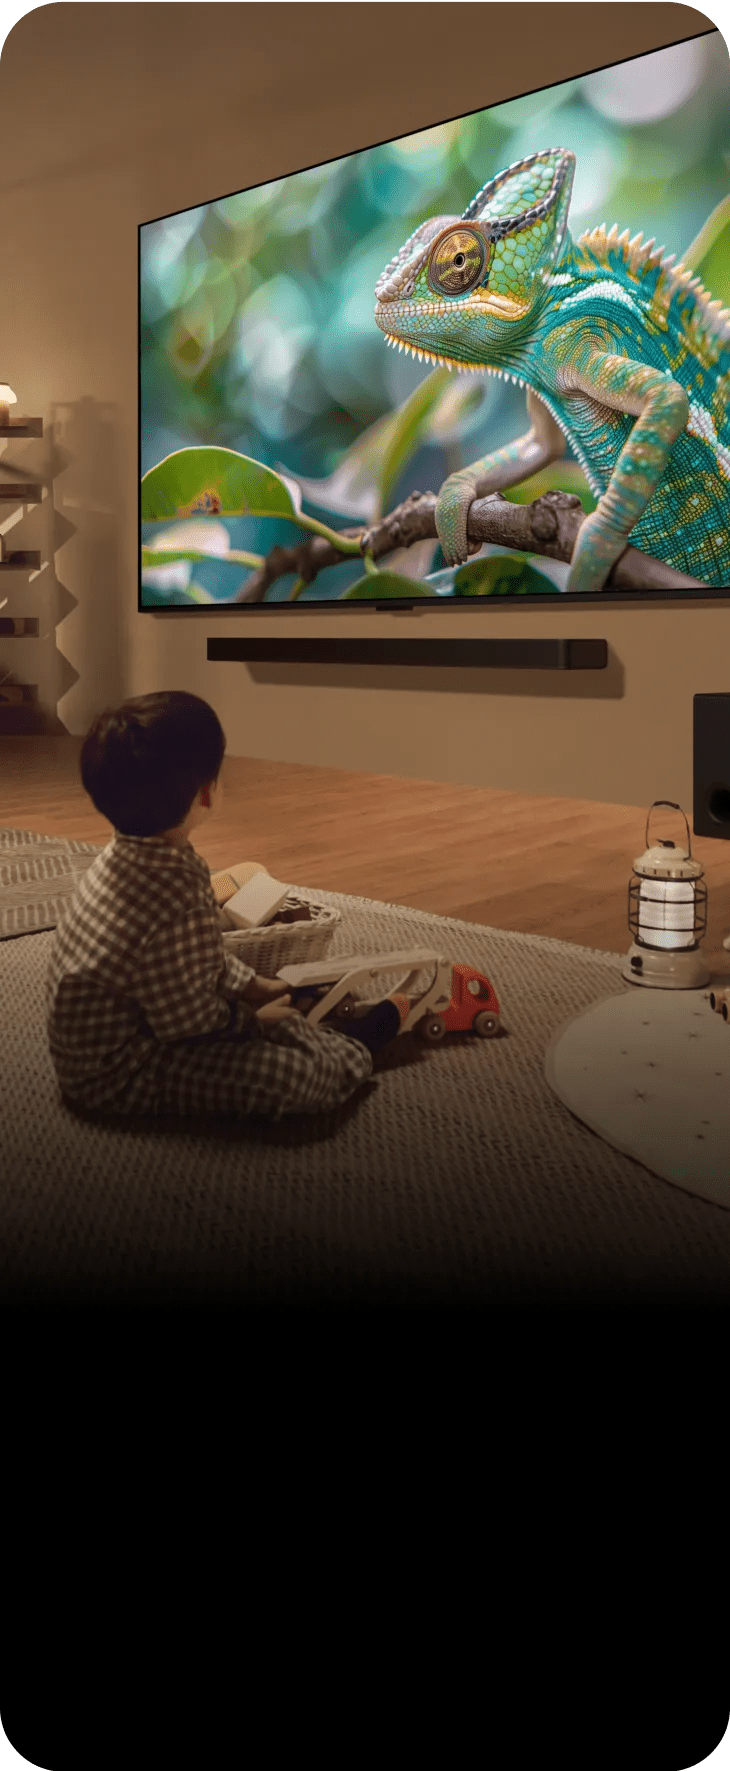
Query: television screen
x=490, y=359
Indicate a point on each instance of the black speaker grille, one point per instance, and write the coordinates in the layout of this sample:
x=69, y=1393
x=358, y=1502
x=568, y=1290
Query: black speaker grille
x=711, y=766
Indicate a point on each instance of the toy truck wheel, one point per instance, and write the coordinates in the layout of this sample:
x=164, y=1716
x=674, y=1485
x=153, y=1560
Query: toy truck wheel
x=486, y=1025
x=714, y=1004
x=432, y=1029
x=346, y=1006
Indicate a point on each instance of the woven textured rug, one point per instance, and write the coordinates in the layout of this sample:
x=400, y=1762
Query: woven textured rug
x=38, y=876
x=455, y=1177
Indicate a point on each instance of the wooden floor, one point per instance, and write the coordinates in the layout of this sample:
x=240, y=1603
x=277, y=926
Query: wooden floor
x=542, y=866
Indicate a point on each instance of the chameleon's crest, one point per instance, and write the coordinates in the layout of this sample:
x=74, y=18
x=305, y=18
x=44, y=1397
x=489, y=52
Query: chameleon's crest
x=527, y=194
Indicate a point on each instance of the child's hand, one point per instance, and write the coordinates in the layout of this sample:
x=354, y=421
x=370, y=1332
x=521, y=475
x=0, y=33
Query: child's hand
x=273, y=996
x=276, y=1011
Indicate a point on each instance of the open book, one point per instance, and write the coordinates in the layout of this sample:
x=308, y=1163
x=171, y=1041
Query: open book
x=248, y=894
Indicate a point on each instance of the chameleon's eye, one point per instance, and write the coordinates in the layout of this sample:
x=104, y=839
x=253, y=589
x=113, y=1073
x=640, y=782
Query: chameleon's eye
x=458, y=261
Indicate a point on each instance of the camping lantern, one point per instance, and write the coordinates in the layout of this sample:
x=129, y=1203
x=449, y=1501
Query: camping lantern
x=667, y=915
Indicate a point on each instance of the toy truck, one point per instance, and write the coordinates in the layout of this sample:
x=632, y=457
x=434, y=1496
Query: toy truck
x=458, y=999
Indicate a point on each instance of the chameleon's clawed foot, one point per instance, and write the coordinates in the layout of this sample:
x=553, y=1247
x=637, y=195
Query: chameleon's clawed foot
x=460, y=559
x=455, y=552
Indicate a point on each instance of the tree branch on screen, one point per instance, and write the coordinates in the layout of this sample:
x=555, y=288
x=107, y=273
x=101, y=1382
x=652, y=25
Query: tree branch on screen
x=548, y=526
x=196, y=489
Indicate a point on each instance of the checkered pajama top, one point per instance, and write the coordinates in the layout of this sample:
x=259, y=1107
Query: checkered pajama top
x=145, y=1001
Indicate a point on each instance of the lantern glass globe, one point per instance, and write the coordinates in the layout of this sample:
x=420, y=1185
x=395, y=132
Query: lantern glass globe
x=667, y=913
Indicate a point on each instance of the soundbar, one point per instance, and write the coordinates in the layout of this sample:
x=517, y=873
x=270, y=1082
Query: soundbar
x=493, y=654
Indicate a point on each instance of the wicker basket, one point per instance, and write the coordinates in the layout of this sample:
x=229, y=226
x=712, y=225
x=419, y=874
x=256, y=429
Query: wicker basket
x=285, y=943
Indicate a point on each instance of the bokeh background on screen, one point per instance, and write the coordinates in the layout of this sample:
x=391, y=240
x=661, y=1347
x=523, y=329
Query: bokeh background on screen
x=256, y=309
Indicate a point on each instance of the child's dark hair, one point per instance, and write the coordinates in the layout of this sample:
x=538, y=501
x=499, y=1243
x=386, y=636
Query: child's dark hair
x=143, y=763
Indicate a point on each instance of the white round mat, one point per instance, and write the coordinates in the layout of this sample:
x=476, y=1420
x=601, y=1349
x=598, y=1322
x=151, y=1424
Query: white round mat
x=650, y=1072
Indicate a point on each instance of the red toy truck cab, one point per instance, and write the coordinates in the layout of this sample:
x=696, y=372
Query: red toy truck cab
x=473, y=1007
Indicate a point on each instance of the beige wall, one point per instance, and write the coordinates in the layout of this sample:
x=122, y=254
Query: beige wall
x=114, y=114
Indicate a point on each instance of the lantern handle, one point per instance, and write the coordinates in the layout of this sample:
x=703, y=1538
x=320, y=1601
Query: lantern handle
x=674, y=808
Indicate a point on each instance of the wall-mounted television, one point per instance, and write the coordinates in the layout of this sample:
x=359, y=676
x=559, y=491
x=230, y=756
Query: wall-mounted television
x=475, y=363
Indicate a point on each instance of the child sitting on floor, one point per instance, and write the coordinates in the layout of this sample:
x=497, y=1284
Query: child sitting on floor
x=149, y=1010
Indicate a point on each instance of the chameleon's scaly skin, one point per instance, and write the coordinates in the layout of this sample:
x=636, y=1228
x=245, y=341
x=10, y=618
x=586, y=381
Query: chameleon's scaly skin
x=628, y=355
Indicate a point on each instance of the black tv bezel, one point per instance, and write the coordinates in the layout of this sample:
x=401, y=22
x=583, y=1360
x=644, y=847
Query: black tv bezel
x=395, y=605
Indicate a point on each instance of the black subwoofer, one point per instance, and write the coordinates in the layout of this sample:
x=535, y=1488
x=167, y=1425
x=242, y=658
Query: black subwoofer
x=711, y=766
